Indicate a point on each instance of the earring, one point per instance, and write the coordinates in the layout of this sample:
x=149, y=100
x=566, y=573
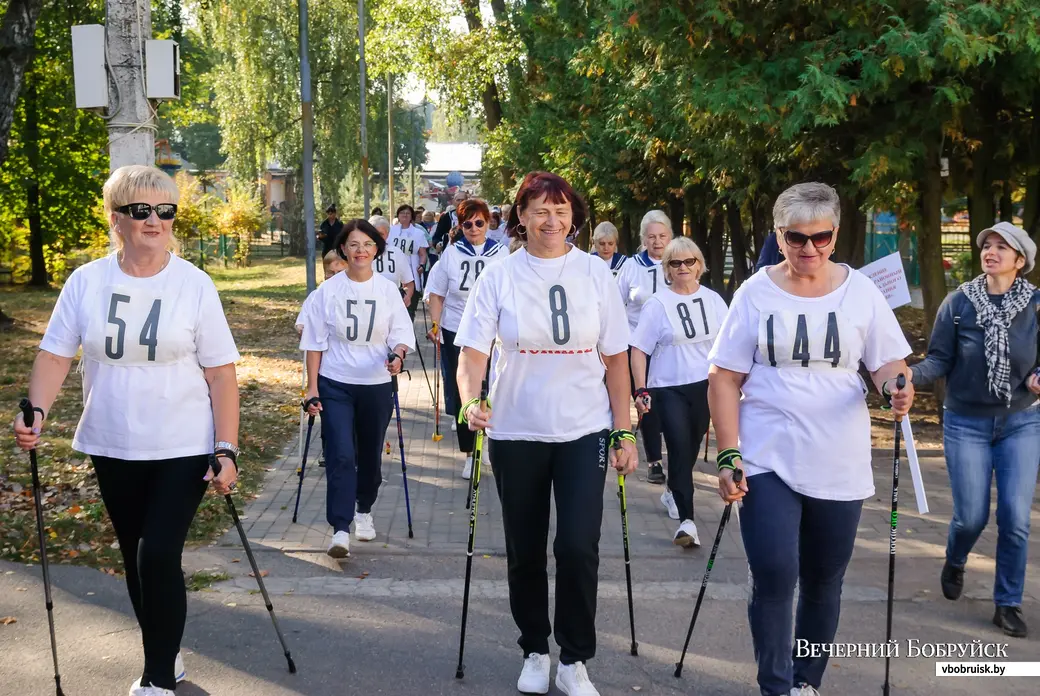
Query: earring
x=521, y=230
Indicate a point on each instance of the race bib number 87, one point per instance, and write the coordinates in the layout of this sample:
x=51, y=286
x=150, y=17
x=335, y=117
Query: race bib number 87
x=816, y=340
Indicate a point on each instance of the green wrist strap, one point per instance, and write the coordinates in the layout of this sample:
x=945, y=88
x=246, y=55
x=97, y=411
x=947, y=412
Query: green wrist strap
x=465, y=407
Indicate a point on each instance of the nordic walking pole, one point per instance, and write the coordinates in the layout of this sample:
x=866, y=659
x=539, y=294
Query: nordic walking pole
x=437, y=437
x=303, y=459
x=738, y=476
x=478, y=451
x=28, y=417
x=707, y=437
x=634, y=648
x=215, y=465
x=400, y=439
x=900, y=384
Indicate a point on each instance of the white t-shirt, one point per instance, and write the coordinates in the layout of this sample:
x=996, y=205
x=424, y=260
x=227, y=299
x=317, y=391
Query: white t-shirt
x=356, y=325
x=498, y=234
x=677, y=332
x=804, y=413
x=455, y=274
x=638, y=280
x=145, y=344
x=409, y=241
x=393, y=266
x=554, y=317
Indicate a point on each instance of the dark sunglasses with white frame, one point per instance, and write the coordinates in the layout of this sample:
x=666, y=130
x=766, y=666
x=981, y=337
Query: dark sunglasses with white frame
x=143, y=211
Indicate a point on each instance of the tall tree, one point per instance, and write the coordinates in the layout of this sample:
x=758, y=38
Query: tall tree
x=16, y=42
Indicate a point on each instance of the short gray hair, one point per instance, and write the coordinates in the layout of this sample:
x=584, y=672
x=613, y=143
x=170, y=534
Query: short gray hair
x=604, y=230
x=806, y=203
x=378, y=221
x=658, y=216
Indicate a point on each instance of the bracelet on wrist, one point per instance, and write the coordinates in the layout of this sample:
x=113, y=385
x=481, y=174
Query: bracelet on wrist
x=617, y=436
x=640, y=393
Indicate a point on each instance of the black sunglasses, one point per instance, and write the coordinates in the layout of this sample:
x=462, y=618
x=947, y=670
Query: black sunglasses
x=798, y=240
x=143, y=211
x=676, y=263
x=468, y=225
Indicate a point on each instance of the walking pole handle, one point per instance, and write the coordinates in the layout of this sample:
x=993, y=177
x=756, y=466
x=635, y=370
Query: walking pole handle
x=28, y=412
x=393, y=378
x=311, y=401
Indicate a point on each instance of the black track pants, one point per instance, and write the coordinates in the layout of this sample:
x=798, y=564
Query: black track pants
x=683, y=411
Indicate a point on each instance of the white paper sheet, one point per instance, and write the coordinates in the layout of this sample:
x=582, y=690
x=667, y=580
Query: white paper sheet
x=890, y=278
x=915, y=468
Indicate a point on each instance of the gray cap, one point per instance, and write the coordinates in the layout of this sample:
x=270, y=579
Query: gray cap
x=1016, y=237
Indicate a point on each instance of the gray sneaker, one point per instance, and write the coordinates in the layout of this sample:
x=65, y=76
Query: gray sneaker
x=655, y=474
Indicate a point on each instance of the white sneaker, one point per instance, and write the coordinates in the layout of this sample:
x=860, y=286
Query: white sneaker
x=340, y=546
x=454, y=426
x=804, y=690
x=137, y=690
x=180, y=674
x=573, y=680
x=534, y=678
x=364, y=528
x=668, y=500
x=467, y=468
x=686, y=535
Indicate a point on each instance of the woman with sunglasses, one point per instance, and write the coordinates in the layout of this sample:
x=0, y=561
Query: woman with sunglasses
x=789, y=409
x=447, y=293
x=638, y=281
x=558, y=413
x=354, y=322
x=160, y=399
x=676, y=329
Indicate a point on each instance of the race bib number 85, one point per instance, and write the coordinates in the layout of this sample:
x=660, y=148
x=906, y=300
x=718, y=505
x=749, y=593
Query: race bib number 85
x=816, y=340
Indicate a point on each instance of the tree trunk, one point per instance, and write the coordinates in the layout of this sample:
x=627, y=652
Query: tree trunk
x=929, y=235
x=676, y=211
x=1007, y=206
x=32, y=188
x=981, y=207
x=717, y=250
x=853, y=230
x=696, y=218
x=17, y=32
x=738, y=244
x=625, y=245
x=759, y=224
x=492, y=105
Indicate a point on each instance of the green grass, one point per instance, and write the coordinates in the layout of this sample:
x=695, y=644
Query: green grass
x=204, y=579
x=261, y=303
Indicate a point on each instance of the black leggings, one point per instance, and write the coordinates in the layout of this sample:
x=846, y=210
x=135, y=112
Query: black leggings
x=650, y=426
x=526, y=474
x=450, y=361
x=683, y=411
x=152, y=504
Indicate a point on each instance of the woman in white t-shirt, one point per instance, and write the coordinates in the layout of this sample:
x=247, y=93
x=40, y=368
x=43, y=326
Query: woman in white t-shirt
x=451, y=281
x=392, y=264
x=354, y=321
x=411, y=240
x=556, y=420
x=160, y=399
x=792, y=345
x=638, y=280
x=675, y=332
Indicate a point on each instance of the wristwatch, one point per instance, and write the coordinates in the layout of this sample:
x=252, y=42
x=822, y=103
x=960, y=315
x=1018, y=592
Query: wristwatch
x=222, y=445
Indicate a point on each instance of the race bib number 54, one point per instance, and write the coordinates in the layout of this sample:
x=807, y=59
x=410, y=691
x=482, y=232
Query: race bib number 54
x=816, y=340
x=132, y=329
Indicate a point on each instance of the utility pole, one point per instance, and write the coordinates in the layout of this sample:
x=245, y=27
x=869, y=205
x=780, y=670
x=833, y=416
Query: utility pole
x=308, y=149
x=132, y=128
x=364, y=113
x=390, y=142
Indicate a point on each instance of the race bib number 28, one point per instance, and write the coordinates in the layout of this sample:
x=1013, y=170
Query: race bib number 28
x=816, y=340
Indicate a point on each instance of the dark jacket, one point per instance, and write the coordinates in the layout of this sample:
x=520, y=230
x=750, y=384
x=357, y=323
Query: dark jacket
x=328, y=235
x=443, y=231
x=770, y=255
x=957, y=351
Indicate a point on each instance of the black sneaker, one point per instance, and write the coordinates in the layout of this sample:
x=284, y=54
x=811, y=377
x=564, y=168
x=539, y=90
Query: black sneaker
x=952, y=580
x=321, y=462
x=1010, y=620
x=655, y=474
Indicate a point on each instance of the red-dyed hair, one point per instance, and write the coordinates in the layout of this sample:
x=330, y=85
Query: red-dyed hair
x=471, y=207
x=555, y=189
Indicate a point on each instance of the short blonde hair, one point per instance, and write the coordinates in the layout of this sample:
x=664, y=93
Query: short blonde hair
x=331, y=258
x=604, y=230
x=378, y=221
x=681, y=247
x=127, y=183
x=428, y=216
x=654, y=216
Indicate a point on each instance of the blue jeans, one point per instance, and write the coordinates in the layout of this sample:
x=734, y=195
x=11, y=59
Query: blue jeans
x=976, y=449
x=789, y=538
x=356, y=417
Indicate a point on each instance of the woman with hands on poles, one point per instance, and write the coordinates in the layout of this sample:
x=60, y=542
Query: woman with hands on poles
x=160, y=398
x=985, y=343
x=675, y=332
x=355, y=318
x=447, y=292
x=791, y=346
x=638, y=280
x=558, y=413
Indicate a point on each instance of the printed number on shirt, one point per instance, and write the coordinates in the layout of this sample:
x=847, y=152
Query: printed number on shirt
x=466, y=284
x=407, y=245
x=813, y=340
x=692, y=322
x=654, y=272
x=390, y=263
x=132, y=328
x=557, y=317
x=355, y=321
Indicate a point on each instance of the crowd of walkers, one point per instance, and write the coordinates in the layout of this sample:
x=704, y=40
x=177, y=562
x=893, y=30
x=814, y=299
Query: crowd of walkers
x=569, y=341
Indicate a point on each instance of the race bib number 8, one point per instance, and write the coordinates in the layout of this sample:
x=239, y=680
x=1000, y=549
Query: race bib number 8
x=132, y=332
x=692, y=321
x=356, y=322
x=556, y=317
x=816, y=340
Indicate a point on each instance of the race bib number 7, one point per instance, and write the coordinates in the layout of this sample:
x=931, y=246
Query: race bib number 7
x=817, y=340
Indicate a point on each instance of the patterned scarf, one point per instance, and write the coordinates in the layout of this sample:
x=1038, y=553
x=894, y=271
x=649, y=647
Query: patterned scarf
x=995, y=322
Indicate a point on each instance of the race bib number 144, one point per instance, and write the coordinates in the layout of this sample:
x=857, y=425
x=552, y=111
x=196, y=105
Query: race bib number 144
x=816, y=340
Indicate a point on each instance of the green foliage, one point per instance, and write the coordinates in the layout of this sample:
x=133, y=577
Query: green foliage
x=239, y=217
x=196, y=211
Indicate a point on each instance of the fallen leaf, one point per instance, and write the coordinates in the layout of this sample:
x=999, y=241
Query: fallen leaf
x=7, y=620
x=90, y=594
x=236, y=560
x=263, y=574
x=231, y=604
x=637, y=688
